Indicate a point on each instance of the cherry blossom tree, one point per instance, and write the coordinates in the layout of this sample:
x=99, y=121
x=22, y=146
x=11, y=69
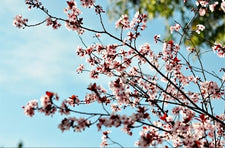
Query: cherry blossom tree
x=170, y=100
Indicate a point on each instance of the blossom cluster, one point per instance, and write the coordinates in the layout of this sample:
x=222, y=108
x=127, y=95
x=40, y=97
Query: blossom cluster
x=34, y=4
x=47, y=107
x=87, y=3
x=128, y=122
x=220, y=49
x=98, y=95
x=78, y=125
x=211, y=89
x=139, y=21
x=200, y=27
x=205, y=5
x=20, y=22
x=73, y=12
x=54, y=24
x=30, y=107
x=104, y=142
x=175, y=27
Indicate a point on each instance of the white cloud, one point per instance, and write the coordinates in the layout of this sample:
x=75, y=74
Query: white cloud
x=11, y=6
x=39, y=55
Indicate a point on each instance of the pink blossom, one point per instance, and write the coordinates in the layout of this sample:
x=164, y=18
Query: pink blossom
x=156, y=38
x=113, y=120
x=123, y=22
x=175, y=27
x=94, y=74
x=131, y=36
x=73, y=22
x=77, y=124
x=115, y=108
x=65, y=124
x=54, y=24
x=210, y=89
x=89, y=98
x=82, y=123
x=47, y=105
x=133, y=71
x=93, y=61
x=220, y=49
x=30, y=107
x=20, y=22
x=45, y=101
x=200, y=28
x=98, y=35
x=97, y=95
x=127, y=130
x=80, y=51
x=139, y=20
x=194, y=97
x=169, y=48
x=212, y=6
x=33, y=3
x=87, y=3
x=148, y=136
x=75, y=26
x=176, y=110
x=145, y=49
x=121, y=91
x=104, y=142
x=80, y=68
x=64, y=110
x=71, y=5
x=202, y=11
x=99, y=9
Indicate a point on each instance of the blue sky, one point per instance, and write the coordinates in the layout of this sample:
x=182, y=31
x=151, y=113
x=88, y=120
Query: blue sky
x=34, y=60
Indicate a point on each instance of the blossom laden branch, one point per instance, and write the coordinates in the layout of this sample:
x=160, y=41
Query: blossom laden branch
x=165, y=106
